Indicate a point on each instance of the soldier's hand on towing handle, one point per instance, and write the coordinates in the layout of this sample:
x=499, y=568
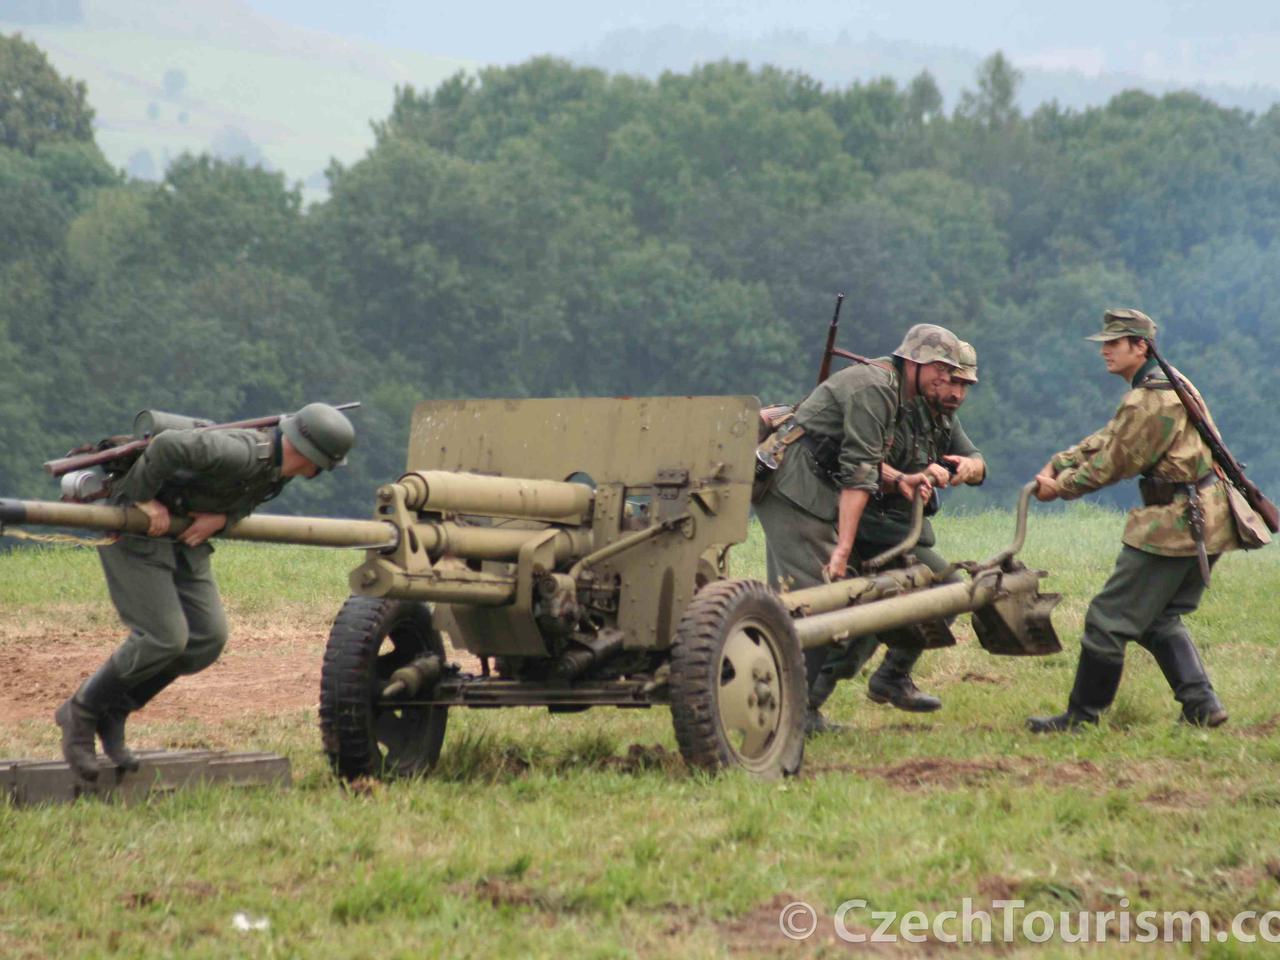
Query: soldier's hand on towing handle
x=1047, y=484
x=965, y=469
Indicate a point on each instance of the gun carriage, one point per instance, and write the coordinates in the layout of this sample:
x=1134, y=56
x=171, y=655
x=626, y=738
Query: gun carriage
x=579, y=549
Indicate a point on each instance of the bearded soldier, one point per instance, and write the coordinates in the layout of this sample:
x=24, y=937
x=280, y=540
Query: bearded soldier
x=815, y=503
x=1170, y=542
x=926, y=438
x=164, y=589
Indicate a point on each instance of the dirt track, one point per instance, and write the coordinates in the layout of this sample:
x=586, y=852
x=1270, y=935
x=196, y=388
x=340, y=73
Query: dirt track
x=266, y=669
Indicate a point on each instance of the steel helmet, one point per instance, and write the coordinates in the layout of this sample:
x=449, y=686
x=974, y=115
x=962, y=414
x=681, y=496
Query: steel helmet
x=968, y=371
x=320, y=433
x=930, y=343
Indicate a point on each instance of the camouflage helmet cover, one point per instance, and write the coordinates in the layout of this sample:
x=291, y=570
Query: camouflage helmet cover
x=968, y=357
x=320, y=433
x=1125, y=322
x=930, y=343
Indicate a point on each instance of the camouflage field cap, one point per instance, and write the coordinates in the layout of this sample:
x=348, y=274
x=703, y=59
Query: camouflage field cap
x=968, y=356
x=1125, y=323
x=929, y=343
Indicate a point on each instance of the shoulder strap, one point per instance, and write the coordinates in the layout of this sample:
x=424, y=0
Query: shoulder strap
x=859, y=358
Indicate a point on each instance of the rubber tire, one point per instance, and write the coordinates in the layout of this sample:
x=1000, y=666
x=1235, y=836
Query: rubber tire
x=707, y=623
x=352, y=677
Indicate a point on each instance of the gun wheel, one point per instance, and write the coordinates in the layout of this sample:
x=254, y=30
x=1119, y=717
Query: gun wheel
x=738, y=681
x=369, y=640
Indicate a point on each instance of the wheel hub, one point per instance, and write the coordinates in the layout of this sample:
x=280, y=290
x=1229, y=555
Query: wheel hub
x=750, y=694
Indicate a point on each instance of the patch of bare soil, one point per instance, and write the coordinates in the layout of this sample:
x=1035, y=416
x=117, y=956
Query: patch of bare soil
x=921, y=773
x=268, y=669
x=975, y=677
x=1256, y=730
x=1172, y=799
x=503, y=892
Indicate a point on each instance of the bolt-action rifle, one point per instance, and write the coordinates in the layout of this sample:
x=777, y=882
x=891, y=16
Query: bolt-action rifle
x=830, y=351
x=1230, y=467
x=99, y=454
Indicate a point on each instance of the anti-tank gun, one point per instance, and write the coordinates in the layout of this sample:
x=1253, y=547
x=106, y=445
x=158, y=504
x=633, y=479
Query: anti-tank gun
x=578, y=549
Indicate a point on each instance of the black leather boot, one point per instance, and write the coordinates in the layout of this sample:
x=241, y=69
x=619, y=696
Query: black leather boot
x=816, y=724
x=1181, y=665
x=892, y=683
x=1097, y=681
x=79, y=716
x=820, y=690
x=111, y=723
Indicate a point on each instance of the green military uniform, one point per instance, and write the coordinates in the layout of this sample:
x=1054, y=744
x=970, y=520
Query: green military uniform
x=921, y=437
x=1157, y=577
x=164, y=590
x=849, y=422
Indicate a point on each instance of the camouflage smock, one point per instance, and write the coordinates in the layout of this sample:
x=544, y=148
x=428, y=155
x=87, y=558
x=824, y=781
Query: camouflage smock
x=857, y=407
x=207, y=471
x=1151, y=434
x=920, y=438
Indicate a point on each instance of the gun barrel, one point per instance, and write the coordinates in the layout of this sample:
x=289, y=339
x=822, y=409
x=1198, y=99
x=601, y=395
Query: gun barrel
x=550, y=500
x=265, y=528
x=494, y=543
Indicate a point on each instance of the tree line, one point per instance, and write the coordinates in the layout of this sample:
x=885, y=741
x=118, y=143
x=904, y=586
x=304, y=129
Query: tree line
x=551, y=230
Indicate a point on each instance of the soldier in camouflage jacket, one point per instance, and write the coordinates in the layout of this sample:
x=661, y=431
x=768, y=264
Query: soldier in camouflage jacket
x=1158, y=576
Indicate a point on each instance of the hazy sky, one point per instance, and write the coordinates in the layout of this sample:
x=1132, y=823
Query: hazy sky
x=1193, y=41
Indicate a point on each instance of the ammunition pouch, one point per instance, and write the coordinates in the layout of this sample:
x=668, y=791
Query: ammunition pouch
x=826, y=454
x=1250, y=528
x=1159, y=493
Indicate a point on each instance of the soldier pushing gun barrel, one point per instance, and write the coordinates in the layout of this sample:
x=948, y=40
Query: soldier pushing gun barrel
x=162, y=586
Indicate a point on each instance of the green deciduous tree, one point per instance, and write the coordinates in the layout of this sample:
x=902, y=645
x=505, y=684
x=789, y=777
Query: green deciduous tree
x=36, y=104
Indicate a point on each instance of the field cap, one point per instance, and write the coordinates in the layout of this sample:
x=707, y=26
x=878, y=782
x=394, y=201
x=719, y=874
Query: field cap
x=1125, y=322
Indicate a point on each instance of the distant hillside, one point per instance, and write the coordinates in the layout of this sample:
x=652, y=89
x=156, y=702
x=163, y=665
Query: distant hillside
x=212, y=75
x=842, y=58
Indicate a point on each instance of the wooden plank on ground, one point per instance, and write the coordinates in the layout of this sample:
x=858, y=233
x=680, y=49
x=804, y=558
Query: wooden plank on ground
x=34, y=782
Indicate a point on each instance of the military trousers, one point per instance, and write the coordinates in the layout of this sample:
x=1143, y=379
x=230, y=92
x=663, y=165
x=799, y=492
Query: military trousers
x=165, y=593
x=1142, y=601
x=797, y=545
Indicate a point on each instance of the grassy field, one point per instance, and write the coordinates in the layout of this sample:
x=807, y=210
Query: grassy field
x=583, y=835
